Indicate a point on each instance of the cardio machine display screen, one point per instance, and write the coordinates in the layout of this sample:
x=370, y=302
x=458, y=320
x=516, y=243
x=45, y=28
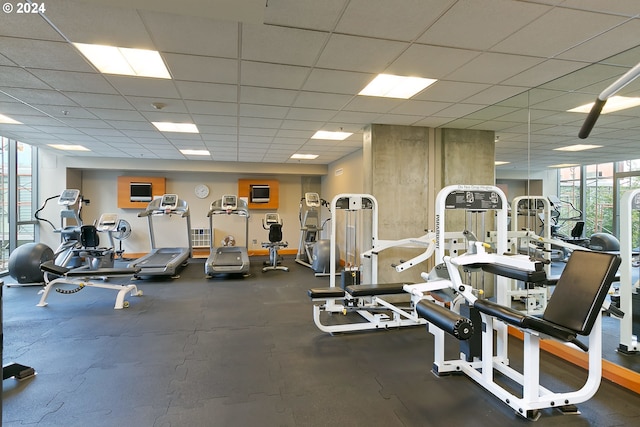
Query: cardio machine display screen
x=169, y=200
x=69, y=197
x=312, y=199
x=229, y=202
x=473, y=200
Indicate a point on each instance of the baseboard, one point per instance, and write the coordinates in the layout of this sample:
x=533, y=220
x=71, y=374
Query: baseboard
x=610, y=371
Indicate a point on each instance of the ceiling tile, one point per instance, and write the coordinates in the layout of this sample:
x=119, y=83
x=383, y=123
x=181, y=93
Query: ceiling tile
x=384, y=19
x=281, y=45
x=273, y=75
x=350, y=53
x=549, y=35
x=309, y=14
x=202, y=68
x=198, y=91
x=43, y=54
x=485, y=23
x=193, y=35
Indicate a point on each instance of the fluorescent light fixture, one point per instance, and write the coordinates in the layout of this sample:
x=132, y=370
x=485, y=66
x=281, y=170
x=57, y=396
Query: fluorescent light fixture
x=69, y=147
x=125, y=61
x=615, y=103
x=391, y=86
x=564, y=165
x=195, y=152
x=8, y=120
x=304, y=156
x=176, y=127
x=500, y=163
x=577, y=147
x=334, y=136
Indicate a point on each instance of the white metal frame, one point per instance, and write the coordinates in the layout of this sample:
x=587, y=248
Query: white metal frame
x=84, y=281
x=494, y=357
x=629, y=202
x=366, y=307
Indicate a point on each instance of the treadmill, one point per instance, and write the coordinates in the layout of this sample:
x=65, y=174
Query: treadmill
x=228, y=259
x=164, y=261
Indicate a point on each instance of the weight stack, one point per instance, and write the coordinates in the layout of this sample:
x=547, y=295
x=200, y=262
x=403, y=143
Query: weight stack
x=349, y=277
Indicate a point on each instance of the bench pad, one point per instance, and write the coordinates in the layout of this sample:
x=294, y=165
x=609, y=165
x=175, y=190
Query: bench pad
x=517, y=318
x=322, y=293
x=50, y=267
x=538, y=276
x=373, y=290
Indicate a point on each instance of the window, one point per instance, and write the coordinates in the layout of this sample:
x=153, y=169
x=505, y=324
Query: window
x=599, y=198
x=17, y=224
x=571, y=197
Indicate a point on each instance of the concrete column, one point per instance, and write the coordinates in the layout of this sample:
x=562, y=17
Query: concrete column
x=404, y=167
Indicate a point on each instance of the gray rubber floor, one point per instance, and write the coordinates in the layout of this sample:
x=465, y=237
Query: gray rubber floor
x=244, y=352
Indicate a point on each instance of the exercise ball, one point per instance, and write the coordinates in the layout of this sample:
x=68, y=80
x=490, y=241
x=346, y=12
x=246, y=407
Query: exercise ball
x=321, y=262
x=604, y=242
x=25, y=260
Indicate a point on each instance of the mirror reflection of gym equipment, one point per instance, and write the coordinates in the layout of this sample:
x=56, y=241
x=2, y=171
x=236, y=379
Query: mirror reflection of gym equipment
x=228, y=259
x=629, y=291
x=164, y=261
x=273, y=223
x=313, y=252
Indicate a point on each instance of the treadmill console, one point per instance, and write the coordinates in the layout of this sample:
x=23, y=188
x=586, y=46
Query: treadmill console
x=229, y=202
x=69, y=197
x=312, y=200
x=169, y=202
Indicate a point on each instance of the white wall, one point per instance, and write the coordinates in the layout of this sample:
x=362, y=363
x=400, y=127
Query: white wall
x=548, y=177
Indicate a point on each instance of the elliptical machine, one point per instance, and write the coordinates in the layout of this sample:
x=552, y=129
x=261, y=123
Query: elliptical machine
x=313, y=252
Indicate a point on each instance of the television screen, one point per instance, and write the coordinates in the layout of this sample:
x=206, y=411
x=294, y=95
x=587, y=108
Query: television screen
x=140, y=192
x=260, y=194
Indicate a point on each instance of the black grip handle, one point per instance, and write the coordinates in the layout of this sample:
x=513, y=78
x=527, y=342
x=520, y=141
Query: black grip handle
x=591, y=119
x=452, y=323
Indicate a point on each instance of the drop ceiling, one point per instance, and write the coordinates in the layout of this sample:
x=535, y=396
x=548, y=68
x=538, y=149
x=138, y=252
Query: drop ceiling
x=259, y=77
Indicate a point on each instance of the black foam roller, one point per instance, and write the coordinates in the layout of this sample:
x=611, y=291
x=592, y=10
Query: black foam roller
x=452, y=323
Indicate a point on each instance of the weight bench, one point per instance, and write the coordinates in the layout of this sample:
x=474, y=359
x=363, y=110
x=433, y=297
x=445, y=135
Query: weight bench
x=80, y=277
x=369, y=302
x=574, y=310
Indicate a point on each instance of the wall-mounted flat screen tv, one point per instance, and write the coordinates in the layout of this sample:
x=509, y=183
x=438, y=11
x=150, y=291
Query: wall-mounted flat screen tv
x=140, y=192
x=260, y=194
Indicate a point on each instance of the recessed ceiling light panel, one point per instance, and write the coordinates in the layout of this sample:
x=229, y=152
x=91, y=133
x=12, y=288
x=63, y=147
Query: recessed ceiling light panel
x=304, y=156
x=391, y=86
x=333, y=136
x=188, y=152
x=578, y=147
x=125, y=61
x=8, y=120
x=69, y=147
x=615, y=103
x=564, y=165
x=176, y=127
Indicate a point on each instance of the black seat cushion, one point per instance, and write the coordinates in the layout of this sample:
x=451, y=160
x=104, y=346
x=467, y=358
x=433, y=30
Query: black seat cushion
x=275, y=233
x=89, y=236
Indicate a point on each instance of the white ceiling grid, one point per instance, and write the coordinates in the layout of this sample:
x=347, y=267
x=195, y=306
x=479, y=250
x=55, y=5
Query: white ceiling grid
x=259, y=77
